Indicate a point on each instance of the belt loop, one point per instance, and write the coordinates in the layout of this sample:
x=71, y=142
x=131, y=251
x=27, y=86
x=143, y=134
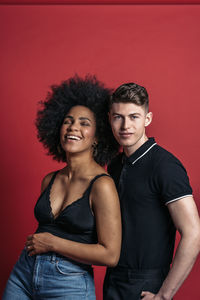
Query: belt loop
x=53, y=258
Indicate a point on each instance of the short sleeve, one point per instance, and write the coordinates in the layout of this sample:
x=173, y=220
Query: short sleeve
x=172, y=180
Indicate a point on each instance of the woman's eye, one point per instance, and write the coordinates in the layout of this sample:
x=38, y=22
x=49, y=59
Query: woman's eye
x=67, y=121
x=85, y=124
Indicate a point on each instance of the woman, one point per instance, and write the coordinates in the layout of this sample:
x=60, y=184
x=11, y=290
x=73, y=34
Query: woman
x=78, y=209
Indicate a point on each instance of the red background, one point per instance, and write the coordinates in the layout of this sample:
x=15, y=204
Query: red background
x=100, y=2
x=157, y=46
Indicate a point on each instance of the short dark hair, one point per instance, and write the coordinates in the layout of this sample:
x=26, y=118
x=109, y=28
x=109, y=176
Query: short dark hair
x=130, y=92
x=88, y=92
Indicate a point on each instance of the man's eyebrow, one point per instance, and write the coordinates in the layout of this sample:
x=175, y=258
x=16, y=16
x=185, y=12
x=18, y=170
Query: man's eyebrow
x=115, y=113
x=135, y=113
x=131, y=114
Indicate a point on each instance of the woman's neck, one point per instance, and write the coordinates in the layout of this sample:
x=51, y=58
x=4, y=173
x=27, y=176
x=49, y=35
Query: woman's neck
x=78, y=164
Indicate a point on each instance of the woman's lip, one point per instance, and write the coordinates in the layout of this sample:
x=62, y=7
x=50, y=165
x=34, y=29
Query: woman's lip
x=72, y=137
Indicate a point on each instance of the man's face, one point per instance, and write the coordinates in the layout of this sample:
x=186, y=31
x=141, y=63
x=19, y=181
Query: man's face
x=128, y=122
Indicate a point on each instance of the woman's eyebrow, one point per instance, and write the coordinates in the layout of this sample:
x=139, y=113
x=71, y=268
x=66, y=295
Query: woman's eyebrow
x=84, y=118
x=80, y=118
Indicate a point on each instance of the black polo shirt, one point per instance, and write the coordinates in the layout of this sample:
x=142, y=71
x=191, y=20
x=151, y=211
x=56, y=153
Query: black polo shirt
x=147, y=181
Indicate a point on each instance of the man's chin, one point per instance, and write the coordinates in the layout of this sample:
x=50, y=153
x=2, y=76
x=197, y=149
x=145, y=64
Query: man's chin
x=126, y=145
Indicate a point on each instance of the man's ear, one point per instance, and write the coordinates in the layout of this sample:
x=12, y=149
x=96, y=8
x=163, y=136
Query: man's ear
x=148, y=119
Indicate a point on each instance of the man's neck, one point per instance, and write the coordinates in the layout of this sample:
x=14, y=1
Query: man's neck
x=129, y=150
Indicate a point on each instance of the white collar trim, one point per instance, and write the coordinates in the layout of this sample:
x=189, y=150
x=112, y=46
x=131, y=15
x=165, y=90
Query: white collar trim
x=143, y=153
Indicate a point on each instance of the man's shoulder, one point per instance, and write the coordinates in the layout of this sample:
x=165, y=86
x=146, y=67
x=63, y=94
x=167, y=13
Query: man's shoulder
x=162, y=155
x=169, y=175
x=115, y=163
x=165, y=162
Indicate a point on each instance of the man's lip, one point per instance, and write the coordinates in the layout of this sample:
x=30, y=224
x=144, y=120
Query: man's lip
x=125, y=133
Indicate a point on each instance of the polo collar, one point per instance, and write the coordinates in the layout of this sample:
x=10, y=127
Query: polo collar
x=140, y=152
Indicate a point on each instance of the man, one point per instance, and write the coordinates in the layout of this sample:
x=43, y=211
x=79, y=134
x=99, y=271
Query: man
x=156, y=199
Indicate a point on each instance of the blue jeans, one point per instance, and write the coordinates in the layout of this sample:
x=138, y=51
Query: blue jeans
x=49, y=276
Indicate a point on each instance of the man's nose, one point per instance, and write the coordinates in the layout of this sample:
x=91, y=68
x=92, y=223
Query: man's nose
x=125, y=123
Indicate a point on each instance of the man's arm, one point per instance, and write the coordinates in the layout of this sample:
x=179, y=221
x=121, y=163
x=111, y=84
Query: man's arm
x=186, y=219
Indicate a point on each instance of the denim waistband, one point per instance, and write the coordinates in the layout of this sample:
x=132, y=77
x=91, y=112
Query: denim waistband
x=55, y=257
x=138, y=273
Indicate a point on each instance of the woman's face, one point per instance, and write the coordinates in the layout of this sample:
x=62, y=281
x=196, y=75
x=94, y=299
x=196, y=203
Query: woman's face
x=77, y=133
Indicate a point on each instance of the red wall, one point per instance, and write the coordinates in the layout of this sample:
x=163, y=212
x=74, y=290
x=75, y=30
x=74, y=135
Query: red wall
x=156, y=46
x=99, y=2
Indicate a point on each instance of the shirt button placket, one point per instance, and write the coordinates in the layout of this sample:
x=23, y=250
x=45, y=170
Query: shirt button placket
x=122, y=180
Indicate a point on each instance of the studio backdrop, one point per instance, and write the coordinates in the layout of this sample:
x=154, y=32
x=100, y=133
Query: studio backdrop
x=155, y=45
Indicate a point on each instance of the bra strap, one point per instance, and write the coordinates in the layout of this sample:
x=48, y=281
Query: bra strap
x=52, y=179
x=94, y=179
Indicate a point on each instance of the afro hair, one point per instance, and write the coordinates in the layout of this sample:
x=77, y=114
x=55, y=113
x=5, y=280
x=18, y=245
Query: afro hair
x=87, y=92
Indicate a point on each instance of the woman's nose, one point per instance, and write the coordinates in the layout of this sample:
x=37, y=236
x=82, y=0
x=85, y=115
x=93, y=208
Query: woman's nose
x=73, y=126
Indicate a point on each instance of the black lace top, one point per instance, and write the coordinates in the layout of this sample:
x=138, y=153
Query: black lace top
x=75, y=222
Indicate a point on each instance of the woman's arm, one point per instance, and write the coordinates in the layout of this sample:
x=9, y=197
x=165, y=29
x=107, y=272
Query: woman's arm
x=106, y=208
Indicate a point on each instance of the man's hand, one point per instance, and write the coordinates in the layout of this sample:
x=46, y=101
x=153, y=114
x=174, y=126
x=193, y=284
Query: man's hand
x=39, y=243
x=149, y=296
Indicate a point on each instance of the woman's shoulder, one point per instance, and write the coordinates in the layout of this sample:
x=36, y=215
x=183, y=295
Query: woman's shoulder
x=102, y=182
x=46, y=180
x=99, y=176
x=103, y=189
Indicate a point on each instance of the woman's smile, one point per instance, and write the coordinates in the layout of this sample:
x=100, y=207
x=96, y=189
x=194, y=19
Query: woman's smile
x=78, y=130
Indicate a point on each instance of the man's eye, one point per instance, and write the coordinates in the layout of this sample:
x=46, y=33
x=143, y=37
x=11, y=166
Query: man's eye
x=134, y=117
x=117, y=117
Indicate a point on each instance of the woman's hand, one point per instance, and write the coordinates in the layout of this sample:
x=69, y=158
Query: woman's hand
x=39, y=243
